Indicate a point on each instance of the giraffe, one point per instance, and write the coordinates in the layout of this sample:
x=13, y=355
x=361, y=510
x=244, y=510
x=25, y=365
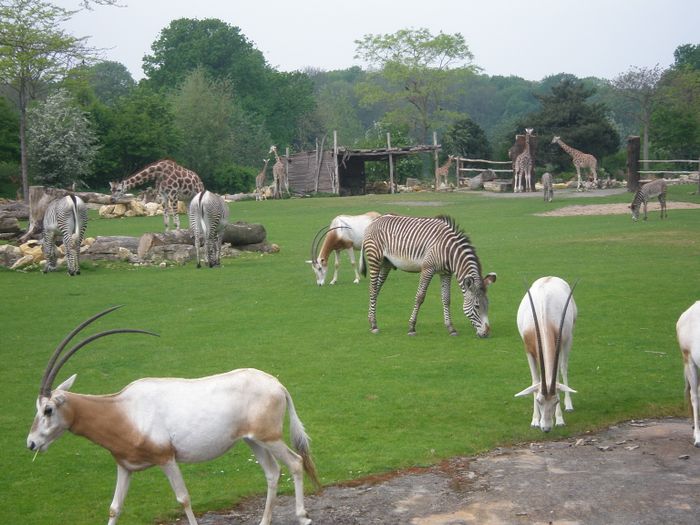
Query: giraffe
x=581, y=160
x=173, y=183
x=443, y=171
x=279, y=174
x=260, y=182
x=523, y=166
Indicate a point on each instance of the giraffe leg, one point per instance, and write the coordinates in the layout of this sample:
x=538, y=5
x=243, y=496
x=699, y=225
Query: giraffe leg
x=579, y=185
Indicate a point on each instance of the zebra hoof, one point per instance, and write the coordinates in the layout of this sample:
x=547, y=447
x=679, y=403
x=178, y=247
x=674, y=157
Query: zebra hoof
x=199, y=265
x=411, y=333
x=374, y=330
x=453, y=333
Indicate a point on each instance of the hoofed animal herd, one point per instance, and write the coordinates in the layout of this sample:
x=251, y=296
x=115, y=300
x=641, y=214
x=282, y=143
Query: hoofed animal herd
x=167, y=421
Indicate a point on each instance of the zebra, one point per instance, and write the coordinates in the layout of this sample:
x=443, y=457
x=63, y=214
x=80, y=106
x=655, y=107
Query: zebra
x=66, y=216
x=655, y=188
x=208, y=216
x=547, y=186
x=429, y=246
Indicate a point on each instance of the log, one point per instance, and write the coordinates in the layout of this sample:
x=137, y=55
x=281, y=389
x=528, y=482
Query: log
x=150, y=240
x=9, y=225
x=16, y=209
x=243, y=233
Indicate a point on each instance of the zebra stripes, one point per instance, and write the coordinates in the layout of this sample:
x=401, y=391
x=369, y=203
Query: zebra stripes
x=429, y=246
x=547, y=186
x=208, y=214
x=67, y=217
x=655, y=188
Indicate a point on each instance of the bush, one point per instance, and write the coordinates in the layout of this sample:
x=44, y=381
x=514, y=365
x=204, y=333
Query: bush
x=10, y=178
x=232, y=178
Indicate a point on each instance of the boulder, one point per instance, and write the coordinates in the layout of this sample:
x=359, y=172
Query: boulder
x=243, y=233
x=179, y=253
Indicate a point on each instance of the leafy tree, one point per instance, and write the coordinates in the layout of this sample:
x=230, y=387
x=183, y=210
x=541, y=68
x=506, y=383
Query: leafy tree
x=412, y=70
x=404, y=166
x=9, y=132
x=139, y=129
x=566, y=112
x=639, y=85
x=202, y=109
x=466, y=139
x=251, y=141
x=34, y=51
x=687, y=56
x=676, y=119
x=61, y=141
x=110, y=81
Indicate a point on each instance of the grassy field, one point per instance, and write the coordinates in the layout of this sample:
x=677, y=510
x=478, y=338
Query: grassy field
x=371, y=403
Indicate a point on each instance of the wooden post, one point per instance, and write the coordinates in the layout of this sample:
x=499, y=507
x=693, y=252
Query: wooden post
x=391, y=163
x=286, y=167
x=335, y=161
x=437, y=163
x=633, y=146
x=698, y=177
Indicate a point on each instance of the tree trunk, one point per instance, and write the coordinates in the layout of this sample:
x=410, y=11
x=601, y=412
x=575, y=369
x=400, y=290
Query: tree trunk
x=242, y=233
x=632, y=163
x=23, y=144
x=149, y=240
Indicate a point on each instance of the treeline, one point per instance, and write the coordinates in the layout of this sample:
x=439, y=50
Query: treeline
x=210, y=101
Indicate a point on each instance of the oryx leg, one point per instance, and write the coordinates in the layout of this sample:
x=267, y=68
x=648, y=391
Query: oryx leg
x=272, y=475
x=535, y=375
x=351, y=255
x=172, y=471
x=426, y=276
x=123, y=479
x=445, y=284
x=377, y=276
x=691, y=379
x=280, y=451
x=337, y=265
x=564, y=375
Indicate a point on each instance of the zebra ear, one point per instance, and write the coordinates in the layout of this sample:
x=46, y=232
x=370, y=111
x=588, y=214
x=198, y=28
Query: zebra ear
x=490, y=279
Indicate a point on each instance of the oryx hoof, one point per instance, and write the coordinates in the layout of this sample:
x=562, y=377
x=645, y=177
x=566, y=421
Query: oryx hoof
x=697, y=444
x=571, y=409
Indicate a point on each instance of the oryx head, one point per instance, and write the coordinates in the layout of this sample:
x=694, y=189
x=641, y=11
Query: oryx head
x=476, y=302
x=547, y=396
x=320, y=264
x=52, y=418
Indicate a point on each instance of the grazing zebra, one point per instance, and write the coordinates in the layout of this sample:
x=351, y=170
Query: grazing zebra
x=208, y=216
x=66, y=216
x=655, y=188
x=429, y=246
x=547, y=186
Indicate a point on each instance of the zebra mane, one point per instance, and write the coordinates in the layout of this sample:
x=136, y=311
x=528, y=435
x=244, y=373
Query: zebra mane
x=463, y=239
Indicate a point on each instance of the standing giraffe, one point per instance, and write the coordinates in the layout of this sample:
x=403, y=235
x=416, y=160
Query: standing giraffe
x=581, y=160
x=444, y=170
x=260, y=182
x=523, y=166
x=173, y=183
x=279, y=173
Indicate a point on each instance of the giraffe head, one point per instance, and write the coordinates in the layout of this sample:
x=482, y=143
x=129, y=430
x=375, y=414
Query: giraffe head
x=273, y=149
x=528, y=131
x=117, y=189
x=555, y=139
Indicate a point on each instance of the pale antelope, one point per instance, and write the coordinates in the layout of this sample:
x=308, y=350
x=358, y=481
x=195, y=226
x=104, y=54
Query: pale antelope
x=688, y=332
x=655, y=188
x=165, y=421
x=429, y=246
x=67, y=217
x=546, y=319
x=344, y=233
x=208, y=214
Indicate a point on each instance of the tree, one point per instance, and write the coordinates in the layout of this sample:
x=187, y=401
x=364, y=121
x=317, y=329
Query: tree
x=202, y=109
x=412, y=68
x=465, y=138
x=687, y=56
x=9, y=132
x=566, y=112
x=35, y=51
x=639, y=85
x=61, y=141
x=110, y=81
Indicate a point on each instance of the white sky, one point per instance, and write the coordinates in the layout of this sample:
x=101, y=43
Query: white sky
x=530, y=39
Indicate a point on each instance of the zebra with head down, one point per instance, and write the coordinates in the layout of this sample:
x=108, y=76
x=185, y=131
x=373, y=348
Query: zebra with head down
x=67, y=217
x=208, y=216
x=429, y=246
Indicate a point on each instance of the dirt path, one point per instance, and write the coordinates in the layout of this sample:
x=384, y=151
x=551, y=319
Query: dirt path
x=639, y=472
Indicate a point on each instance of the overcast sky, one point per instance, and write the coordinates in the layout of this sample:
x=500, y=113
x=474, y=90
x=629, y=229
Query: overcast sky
x=530, y=39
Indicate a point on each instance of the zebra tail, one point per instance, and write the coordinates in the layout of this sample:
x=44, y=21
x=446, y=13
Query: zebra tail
x=76, y=220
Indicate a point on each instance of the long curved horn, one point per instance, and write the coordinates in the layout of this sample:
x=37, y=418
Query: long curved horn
x=314, y=245
x=540, y=353
x=53, y=368
x=66, y=340
x=558, y=344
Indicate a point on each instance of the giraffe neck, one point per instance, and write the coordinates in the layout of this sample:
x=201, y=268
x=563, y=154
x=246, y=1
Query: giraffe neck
x=143, y=176
x=571, y=151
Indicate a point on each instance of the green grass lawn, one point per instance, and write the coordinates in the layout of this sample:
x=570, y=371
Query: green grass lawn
x=371, y=403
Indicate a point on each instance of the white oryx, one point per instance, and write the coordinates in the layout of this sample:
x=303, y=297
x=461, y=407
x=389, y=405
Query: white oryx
x=546, y=319
x=688, y=332
x=164, y=421
x=344, y=233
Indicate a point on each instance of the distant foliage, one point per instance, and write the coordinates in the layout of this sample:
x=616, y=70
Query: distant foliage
x=232, y=178
x=465, y=138
x=61, y=141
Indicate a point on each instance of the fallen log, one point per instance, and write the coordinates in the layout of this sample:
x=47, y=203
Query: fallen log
x=243, y=233
x=150, y=240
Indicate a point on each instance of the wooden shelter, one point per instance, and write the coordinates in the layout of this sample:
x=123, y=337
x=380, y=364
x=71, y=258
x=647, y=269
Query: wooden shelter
x=342, y=170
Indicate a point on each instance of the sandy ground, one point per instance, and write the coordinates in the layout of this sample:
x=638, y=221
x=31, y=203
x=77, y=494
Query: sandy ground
x=638, y=472
x=653, y=209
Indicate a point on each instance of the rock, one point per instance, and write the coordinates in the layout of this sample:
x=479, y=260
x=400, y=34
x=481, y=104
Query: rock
x=22, y=261
x=153, y=208
x=32, y=248
x=179, y=253
x=108, y=248
x=243, y=233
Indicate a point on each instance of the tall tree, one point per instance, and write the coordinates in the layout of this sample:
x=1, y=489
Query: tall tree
x=411, y=67
x=61, y=140
x=639, y=85
x=34, y=51
x=465, y=138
